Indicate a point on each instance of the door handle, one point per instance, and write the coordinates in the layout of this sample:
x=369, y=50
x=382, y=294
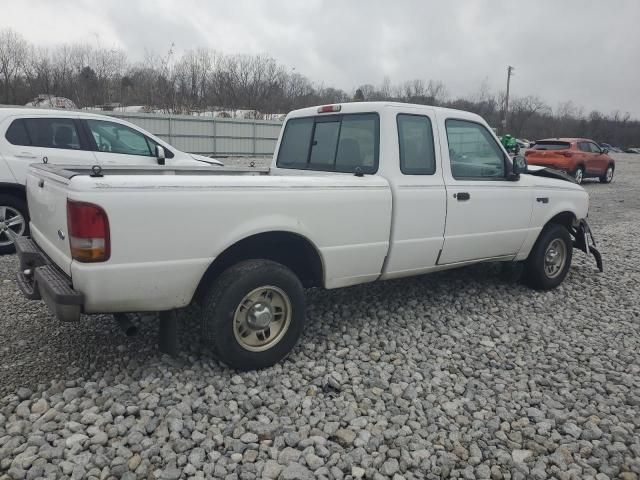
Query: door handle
x=26, y=155
x=462, y=196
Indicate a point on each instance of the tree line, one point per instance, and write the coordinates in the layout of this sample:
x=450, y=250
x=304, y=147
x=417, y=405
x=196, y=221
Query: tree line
x=203, y=80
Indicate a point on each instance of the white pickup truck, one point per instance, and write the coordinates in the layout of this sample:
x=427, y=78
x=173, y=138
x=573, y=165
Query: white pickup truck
x=356, y=193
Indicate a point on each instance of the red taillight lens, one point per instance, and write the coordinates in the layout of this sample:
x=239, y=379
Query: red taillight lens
x=527, y=152
x=329, y=108
x=88, y=228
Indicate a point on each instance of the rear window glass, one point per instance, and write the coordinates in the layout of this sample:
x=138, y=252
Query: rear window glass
x=551, y=146
x=17, y=134
x=335, y=143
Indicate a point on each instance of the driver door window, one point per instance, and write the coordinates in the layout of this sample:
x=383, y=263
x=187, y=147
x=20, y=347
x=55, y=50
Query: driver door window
x=112, y=137
x=473, y=152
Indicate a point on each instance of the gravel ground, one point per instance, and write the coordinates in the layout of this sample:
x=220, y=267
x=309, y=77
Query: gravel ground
x=461, y=374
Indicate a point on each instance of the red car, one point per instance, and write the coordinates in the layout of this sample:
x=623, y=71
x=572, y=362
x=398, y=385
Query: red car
x=580, y=157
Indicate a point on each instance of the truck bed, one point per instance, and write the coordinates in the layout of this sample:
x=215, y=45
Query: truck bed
x=168, y=224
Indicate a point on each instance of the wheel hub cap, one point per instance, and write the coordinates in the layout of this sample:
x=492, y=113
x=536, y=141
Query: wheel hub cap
x=262, y=318
x=259, y=316
x=554, y=258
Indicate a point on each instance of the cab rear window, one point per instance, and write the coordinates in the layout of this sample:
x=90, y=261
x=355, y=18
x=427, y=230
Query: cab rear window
x=331, y=143
x=552, y=146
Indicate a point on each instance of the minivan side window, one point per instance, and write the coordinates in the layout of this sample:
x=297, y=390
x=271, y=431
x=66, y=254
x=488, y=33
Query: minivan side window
x=584, y=147
x=17, y=134
x=113, y=137
x=473, y=152
x=594, y=148
x=415, y=140
x=331, y=143
x=44, y=132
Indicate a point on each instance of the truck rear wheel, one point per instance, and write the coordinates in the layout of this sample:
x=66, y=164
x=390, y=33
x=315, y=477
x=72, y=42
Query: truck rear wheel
x=253, y=314
x=14, y=217
x=550, y=258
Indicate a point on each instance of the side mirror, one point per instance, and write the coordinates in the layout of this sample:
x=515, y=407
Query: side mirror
x=519, y=165
x=160, y=156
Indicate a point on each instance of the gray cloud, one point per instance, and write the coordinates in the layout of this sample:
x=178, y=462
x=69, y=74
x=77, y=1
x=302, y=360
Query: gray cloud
x=587, y=52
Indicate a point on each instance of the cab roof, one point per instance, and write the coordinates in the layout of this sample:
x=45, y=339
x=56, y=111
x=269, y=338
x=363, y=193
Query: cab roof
x=363, y=107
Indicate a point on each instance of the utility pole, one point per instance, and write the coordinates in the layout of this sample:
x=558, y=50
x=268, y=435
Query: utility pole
x=510, y=70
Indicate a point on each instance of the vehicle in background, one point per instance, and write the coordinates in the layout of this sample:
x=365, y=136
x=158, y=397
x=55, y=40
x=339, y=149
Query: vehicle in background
x=611, y=148
x=580, y=157
x=29, y=135
x=633, y=150
x=356, y=193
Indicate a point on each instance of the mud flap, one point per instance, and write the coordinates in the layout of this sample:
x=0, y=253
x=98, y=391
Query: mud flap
x=583, y=240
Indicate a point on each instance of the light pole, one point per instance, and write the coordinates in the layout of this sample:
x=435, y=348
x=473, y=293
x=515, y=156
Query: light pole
x=510, y=70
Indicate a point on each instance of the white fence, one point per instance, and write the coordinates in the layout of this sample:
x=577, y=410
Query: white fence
x=209, y=136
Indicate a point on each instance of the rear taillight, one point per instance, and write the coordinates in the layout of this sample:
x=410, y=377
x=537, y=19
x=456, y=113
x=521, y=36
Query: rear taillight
x=88, y=228
x=527, y=152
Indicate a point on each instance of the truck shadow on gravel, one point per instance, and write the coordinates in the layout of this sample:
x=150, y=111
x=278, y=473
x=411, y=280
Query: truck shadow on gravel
x=37, y=348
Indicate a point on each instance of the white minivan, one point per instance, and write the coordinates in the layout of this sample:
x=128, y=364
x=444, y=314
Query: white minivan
x=69, y=137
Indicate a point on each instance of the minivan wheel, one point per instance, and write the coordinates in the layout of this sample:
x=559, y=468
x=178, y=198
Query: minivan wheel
x=550, y=258
x=608, y=175
x=14, y=217
x=253, y=314
x=579, y=175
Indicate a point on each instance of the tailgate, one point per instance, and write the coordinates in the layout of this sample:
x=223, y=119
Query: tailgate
x=47, y=200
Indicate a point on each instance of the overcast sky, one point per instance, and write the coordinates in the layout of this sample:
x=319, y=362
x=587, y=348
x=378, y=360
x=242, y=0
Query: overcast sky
x=584, y=51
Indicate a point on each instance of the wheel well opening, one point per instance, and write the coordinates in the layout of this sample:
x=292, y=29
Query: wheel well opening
x=14, y=190
x=566, y=219
x=289, y=249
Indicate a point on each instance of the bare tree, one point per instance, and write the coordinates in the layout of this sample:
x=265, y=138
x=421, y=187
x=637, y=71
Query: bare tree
x=13, y=50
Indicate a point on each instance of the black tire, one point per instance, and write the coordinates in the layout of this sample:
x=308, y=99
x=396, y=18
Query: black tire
x=224, y=298
x=606, y=178
x=578, y=175
x=12, y=203
x=536, y=276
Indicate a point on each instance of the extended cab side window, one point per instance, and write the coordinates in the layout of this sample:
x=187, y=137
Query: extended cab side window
x=44, y=132
x=473, y=152
x=415, y=139
x=113, y=137
x=332, y=143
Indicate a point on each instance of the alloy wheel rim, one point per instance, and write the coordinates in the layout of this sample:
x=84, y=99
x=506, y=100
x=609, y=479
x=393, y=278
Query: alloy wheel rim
x=579, y=176
x=555, y=258
x=262, y=318
x=11, y=220
x=609, y=174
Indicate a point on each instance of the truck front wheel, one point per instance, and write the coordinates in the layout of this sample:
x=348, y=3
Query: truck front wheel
x=253, y=314
x=550, y=258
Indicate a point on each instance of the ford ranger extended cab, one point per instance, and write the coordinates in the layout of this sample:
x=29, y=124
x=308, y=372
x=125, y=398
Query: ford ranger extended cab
x=356, y=193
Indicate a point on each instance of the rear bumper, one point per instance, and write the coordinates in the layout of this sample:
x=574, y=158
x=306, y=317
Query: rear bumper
x=39, y=279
